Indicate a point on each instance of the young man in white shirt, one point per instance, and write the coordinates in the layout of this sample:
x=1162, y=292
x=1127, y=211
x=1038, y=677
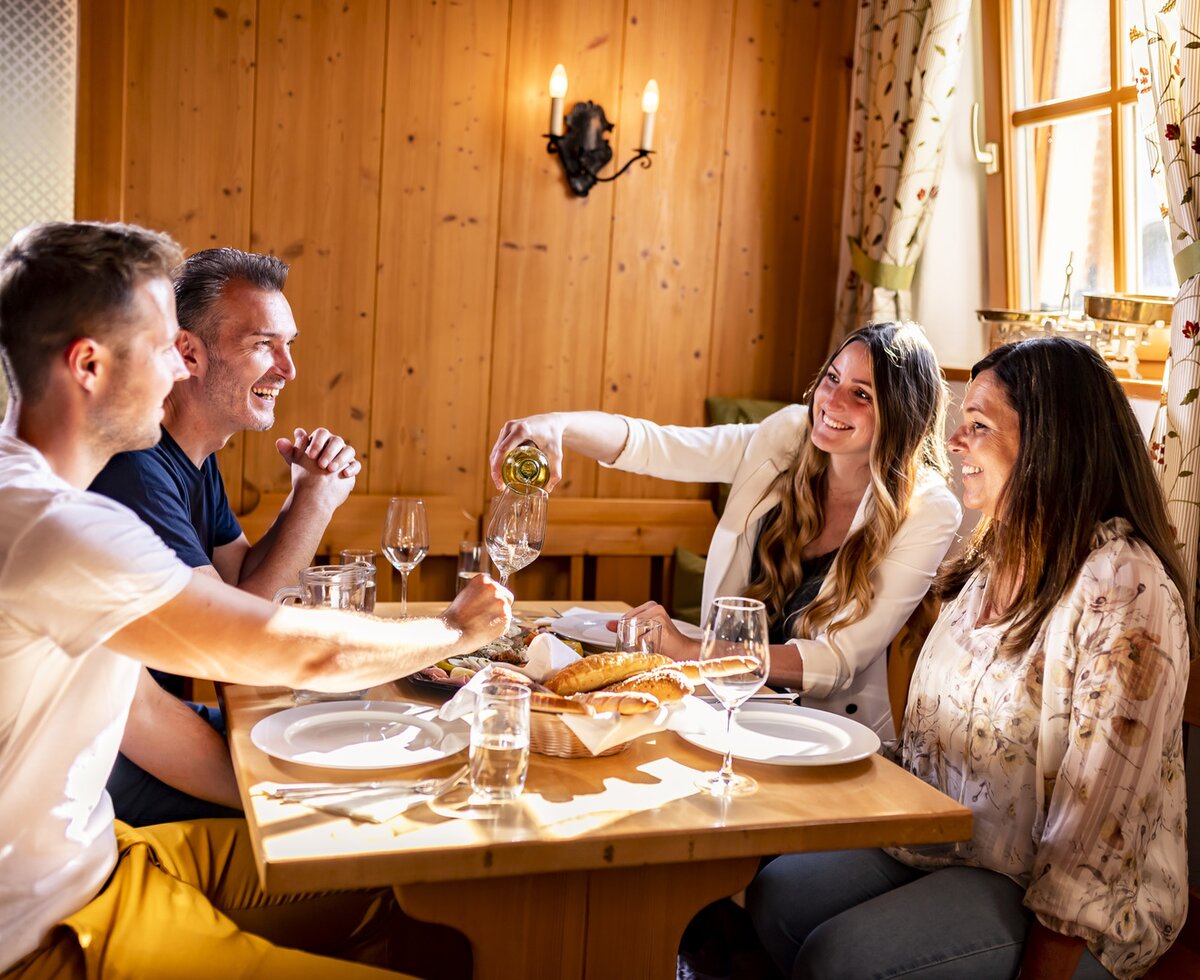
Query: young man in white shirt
x=88, y=595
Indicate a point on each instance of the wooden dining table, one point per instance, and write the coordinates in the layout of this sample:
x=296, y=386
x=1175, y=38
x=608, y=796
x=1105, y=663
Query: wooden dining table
x=595, y=870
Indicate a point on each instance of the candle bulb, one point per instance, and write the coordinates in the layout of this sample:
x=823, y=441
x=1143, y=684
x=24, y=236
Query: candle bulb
x=558, y=88
x=649, y=108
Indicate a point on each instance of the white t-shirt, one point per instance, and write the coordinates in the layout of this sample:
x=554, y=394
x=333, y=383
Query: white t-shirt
x=75, y=568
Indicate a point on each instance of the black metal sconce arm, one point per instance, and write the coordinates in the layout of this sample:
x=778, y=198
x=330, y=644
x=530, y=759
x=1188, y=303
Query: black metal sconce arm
x=583, y=149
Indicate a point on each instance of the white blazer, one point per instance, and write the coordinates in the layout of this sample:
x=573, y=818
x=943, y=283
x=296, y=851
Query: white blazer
x=849, y=674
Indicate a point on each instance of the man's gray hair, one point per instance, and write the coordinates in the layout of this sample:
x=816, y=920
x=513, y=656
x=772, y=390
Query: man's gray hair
x=201, y=280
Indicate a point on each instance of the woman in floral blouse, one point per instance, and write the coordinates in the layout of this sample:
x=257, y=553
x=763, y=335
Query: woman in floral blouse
x=1048, y=698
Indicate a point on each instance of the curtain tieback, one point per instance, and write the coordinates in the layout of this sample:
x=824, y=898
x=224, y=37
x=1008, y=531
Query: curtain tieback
x=1187, y=262
x=883, y=274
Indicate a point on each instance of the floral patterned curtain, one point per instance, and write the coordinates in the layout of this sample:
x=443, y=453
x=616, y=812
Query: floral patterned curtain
x=905, y=70
x=1165, y=41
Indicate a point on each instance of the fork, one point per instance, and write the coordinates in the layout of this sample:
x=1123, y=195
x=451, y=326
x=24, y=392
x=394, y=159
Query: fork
x=434, y=786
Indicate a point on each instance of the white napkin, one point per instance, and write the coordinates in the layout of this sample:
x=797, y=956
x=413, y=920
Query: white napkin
x=373, y=806
x=547, y=655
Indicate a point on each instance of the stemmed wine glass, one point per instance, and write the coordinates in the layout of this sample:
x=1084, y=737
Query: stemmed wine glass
x=734, y=628
x=405, y=540
x=517, y=530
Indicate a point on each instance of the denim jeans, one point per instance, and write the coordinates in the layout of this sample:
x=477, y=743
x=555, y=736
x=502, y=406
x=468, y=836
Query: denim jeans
x=862, y=915
x=140, y=799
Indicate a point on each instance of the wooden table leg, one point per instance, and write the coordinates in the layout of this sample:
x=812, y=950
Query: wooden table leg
x=608, y=922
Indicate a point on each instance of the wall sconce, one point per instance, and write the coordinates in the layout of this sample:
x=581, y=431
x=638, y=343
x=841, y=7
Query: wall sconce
x=582, y=144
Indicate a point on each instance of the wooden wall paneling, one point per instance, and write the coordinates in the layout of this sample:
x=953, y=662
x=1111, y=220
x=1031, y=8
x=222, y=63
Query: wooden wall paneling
x=553, y=259
x=770, y=141
x=190, y=80
x=100, y=110
x=664, y=230
x=823, y=172
x=318, y=134
x=443, y=136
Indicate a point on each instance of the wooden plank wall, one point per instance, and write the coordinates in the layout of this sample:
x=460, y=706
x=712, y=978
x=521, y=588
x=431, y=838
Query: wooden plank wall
x=443, y=277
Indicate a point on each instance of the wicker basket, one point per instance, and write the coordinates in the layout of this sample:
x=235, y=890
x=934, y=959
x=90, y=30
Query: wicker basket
x=549, y=736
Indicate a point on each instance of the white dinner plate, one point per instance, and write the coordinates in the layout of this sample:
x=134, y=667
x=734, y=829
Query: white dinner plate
x=590, y=628
x=360, y=735
x=790, y=735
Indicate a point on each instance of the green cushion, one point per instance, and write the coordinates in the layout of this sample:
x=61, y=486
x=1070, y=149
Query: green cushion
x=687, y=586
x=726, y=411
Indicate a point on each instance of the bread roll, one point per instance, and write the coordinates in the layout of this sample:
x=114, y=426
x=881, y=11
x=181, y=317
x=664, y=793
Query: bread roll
x=624, y=704
x=665, y=683
x=600, y=670
x=558, y=705
x=720, y=667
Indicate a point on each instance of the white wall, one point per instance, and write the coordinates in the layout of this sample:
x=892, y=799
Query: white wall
x=950, y=283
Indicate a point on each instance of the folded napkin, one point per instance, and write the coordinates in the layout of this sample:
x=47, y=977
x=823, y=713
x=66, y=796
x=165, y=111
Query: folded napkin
x=373, y=806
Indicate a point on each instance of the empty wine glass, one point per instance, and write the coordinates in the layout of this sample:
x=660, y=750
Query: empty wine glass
x=405, y=540
x=517, y=530
x=734, y=628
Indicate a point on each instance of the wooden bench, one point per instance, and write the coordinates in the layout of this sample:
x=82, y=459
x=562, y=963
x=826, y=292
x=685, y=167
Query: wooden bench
x=600, y=538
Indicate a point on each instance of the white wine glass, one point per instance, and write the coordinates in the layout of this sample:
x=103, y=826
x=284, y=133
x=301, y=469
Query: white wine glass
x=734, y=627
x=405, y=540
x=517, y=530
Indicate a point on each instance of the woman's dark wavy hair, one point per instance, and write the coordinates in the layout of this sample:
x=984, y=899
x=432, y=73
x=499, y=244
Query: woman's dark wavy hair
x=1082, y=460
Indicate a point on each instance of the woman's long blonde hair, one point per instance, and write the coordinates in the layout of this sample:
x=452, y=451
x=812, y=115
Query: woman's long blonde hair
x=910, y=410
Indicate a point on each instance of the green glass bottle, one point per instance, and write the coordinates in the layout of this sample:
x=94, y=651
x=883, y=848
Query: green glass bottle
x=525, y=465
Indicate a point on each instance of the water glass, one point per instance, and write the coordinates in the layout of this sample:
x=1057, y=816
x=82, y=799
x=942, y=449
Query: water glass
x=636, y=634
x=342, y=587
x=366, y=557
x=470, y=563
x=499, y=753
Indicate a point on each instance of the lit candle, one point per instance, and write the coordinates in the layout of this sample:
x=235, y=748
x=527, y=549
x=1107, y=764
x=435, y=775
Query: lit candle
x=558, y=88
x=649, y=108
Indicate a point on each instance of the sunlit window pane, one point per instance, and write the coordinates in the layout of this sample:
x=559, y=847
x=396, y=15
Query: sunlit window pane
x=1065, y=209
x=1062, y=49
x=1148, y=253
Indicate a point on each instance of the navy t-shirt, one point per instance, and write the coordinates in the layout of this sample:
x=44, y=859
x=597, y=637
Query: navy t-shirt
x=185, y=506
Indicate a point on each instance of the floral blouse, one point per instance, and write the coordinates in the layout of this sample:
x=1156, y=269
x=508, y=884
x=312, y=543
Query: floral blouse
x=1069, y=754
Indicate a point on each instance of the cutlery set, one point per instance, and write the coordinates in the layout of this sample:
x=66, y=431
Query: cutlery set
x=434, y=787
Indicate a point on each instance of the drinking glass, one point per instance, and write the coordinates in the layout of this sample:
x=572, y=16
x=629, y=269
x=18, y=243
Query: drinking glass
x=405, y=540
x=517, y=530
x=499, y=753
x=363, y=556
x=734, y=627
x=470, y=564
x=329, y=587
x=638, y=634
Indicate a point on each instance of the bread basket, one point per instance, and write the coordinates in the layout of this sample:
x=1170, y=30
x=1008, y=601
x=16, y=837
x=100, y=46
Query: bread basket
x=549, y=736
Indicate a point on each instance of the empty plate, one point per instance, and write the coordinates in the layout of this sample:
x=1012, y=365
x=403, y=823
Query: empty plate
x=789, y=735
x=591, y=628
x=360, y=735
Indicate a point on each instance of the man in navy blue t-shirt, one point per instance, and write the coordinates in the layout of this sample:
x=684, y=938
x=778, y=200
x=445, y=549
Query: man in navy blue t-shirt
x=236, y=336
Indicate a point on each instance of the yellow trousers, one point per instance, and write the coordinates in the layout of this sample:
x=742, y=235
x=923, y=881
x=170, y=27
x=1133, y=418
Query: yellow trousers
x=184, y=902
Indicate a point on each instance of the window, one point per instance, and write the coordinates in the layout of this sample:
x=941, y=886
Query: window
x=1076, y=193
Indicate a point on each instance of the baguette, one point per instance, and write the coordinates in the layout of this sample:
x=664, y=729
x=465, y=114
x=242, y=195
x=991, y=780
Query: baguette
x=541, y=699
x=600, y=670
x=665, y=683
x=630, y=703
x=720, y=667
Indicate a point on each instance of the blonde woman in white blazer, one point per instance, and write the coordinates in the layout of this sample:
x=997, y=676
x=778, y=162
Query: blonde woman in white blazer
x=853, y=480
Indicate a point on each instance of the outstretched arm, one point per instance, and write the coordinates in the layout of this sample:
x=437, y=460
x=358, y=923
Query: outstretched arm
x=247, y=640
x=596, y=435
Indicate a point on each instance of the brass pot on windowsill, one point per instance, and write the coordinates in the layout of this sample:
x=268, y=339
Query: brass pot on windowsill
x=1137, y=329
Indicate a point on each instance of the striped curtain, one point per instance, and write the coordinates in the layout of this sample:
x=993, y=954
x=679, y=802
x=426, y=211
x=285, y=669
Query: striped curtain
x=1165, y=41
x=905, y=69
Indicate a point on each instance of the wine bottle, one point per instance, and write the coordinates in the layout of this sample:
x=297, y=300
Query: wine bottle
x=525, y=465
